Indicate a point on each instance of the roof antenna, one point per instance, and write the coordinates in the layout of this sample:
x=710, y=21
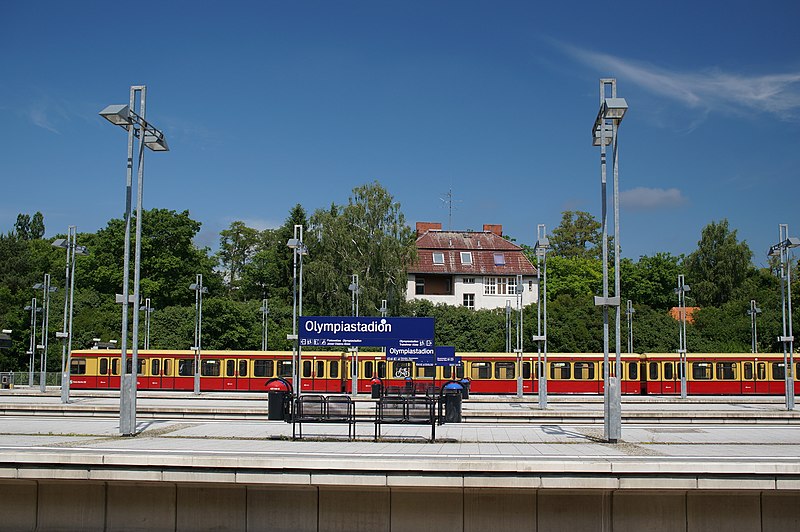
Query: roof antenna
x=449, y=201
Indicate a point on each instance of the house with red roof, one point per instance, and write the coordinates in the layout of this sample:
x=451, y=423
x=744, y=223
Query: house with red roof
x=478, y=270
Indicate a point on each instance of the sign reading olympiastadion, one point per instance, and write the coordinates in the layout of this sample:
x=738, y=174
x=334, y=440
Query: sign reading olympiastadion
x=365, y=331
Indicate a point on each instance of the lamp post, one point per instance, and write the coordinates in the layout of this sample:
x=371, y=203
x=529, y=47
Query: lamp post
x=148, y=309
x=604, y=132
x=508, y=325
x=541, y=247
x=519, y=290
x=753, y=312
x=630, y=311
x=355, y=291
x=72, y=247
x=781, y=250
x=150, y=137
x=32, y=351
x=681, y=290
x=264, y=323
x=199, y=290
x=298, y=250
x=46, y=291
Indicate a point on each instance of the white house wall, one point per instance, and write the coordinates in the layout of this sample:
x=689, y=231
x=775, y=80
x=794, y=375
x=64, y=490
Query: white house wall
x=482, y=301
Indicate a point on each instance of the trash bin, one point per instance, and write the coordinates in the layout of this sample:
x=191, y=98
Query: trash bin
x=451, y=394
x=377, y=388
x=465, y=383
x=6, y=381
x=409, y=386
x=280, y=393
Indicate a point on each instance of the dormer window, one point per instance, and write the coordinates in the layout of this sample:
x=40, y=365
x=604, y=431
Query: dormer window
x=466, y=258
x=499, y=259
x=438, y=258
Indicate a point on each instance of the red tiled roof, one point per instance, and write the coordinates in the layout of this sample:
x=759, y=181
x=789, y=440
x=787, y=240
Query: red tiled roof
x=483, y=247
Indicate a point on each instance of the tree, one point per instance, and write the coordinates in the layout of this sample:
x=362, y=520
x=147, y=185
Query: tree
x=578, y=235
x=719, y=265
x=237, y=246
x=651, y=280
x=37, y=226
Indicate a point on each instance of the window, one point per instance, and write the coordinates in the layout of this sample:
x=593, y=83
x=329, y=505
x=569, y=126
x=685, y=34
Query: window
x=284, y=368
x=139, y=365
x=500, y=286
x=778, y=371
x=499, y=259
x=559, y=370
x=167, y=367
x=155, y=366
x=526, y=370
x=584, y=370
x=701, y=370
x=103, y=366
x=490, y=286
x=306, y=369
x=426, y=371
x=333, y=369
x=320, y=370
x=401, y=370
x=633, y=371
x=115, y=366
x=512, y=285
x=448, y=373
x=466, y=258
x=230, y=368
x=480, y=370
x=381, y=369
x=368, y=367
x=761, y=370
x=438, y=257
x=748, y=371
x=468, y=280
x=420, y=286
x=78, y=366
x=469, y=300
x=243, y=368
x=263, y=368
x=504, y=370
x=530, y=286
x=209, y=368
x=185, y=367
x=726, y=371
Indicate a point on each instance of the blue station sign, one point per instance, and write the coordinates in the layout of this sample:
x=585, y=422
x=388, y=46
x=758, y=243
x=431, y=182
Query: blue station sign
x=331, y=331
x=446, y=356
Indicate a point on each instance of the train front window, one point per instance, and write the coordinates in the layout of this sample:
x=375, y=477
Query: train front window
x=701, y=371
x=78, y=366
x=263, y=368
x=480, y=370
x=103, y=366
x=505, y=370
x=185, y=367
x=560, y=370
x=210, y=368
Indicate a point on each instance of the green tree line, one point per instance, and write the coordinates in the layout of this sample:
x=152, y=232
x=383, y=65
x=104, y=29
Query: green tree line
x=367, y=236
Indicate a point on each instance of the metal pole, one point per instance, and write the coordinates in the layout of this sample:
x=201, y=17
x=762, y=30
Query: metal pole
x=508, y=325
x=629, y=311
x=65, y=399
x=786, y=296
x=45, y=328
x=264, y=324
x=681, y=290
x=543, y=376
x=72, y=241
x=301, y=252
x=617, y=383
x=354, y=363
x=519, y=335
x=34, y=311
x=607, y=428
x=198, y=330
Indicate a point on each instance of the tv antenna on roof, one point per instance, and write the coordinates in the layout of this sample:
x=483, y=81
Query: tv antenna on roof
x=449, y=201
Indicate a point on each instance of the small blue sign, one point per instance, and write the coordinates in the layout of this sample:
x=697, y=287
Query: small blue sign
x=403, y=353
x=331, y=331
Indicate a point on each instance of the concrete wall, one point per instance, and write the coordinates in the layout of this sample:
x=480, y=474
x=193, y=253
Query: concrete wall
x=88, y=505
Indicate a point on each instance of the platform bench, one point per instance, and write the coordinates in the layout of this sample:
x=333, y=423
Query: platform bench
x=324, y=409
x=405, y=410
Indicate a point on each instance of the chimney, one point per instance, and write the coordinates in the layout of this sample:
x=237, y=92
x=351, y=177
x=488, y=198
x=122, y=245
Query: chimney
x=424, y=227
x=493, y=228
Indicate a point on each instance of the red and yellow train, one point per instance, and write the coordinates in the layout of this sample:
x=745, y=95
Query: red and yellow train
x=489, y=373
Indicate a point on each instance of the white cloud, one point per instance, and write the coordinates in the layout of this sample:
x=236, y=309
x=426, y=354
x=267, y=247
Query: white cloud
x=777, y=94
x=642, y=198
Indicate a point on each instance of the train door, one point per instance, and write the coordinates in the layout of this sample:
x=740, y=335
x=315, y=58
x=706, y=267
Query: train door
x=153, y=373
x=529, y=384
x=337, y=375
x=670, y=384
x=167, y=374
x=236, y=375
x=104, y=372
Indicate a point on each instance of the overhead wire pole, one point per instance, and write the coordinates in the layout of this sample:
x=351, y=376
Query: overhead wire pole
x=32, y=352
x=781, y=249
x=46, y=291
x=540, y=249
x=681, y=290
x=519, y=348
x=356, y=290
x=199, y=290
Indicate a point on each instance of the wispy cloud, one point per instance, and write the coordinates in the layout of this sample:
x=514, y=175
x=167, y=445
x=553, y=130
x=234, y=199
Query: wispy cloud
x=643, y=198
x=712, y=89
x=40, y=116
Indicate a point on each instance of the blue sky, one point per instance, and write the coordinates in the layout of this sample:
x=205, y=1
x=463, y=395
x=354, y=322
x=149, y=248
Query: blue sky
x=268, y=104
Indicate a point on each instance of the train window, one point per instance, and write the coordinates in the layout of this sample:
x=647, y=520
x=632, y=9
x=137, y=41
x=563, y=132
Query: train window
x=761, y=370
x=460, y=371
x=243, y=368
x=480, y=370
x=669, y=371
x=115, y=366
x=426, y=371
x=103, y=366
x=78, y=366
x=447, y=372
x=505, y=370
x=748, y=371
x=778, y=371
x=584, y=370
x=284, y=368
x=797, y=369
x=230, y=368
x=320, y=370
x=381, y=369
x=155, y=366
x=701, y=370
x=653, y=375
x=402, y=370
x=368, y=366
x=167, y=367
x=263, y=368
x=333, y=369
x=559, y=370
x=633, y=371
x=306, y=369
x=139, y=366
x=185, y=367
x=526, y=370
x=209, y=368
x=726, y=371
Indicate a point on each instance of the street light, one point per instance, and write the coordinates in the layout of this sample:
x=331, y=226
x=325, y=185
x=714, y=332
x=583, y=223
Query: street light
x=264, y=323
x=753, y=311
x=781, y=250
x=355, y=290
x=199, y=290
x=541, y=247
x=46, y=291
x=298, y=250
x=519, y=290
x=150, y=137
x=70, y=244
x=681, y=290
x=148, y=309
x=32, y=350
x=630, y=311
x=604, y=132
x=508, y=325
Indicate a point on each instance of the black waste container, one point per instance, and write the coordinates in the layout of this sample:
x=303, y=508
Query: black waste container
x=465, y=384
x=6, y=380
x=409, y=386
x=377, y=388
x=280, y=394
x=451, y=394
